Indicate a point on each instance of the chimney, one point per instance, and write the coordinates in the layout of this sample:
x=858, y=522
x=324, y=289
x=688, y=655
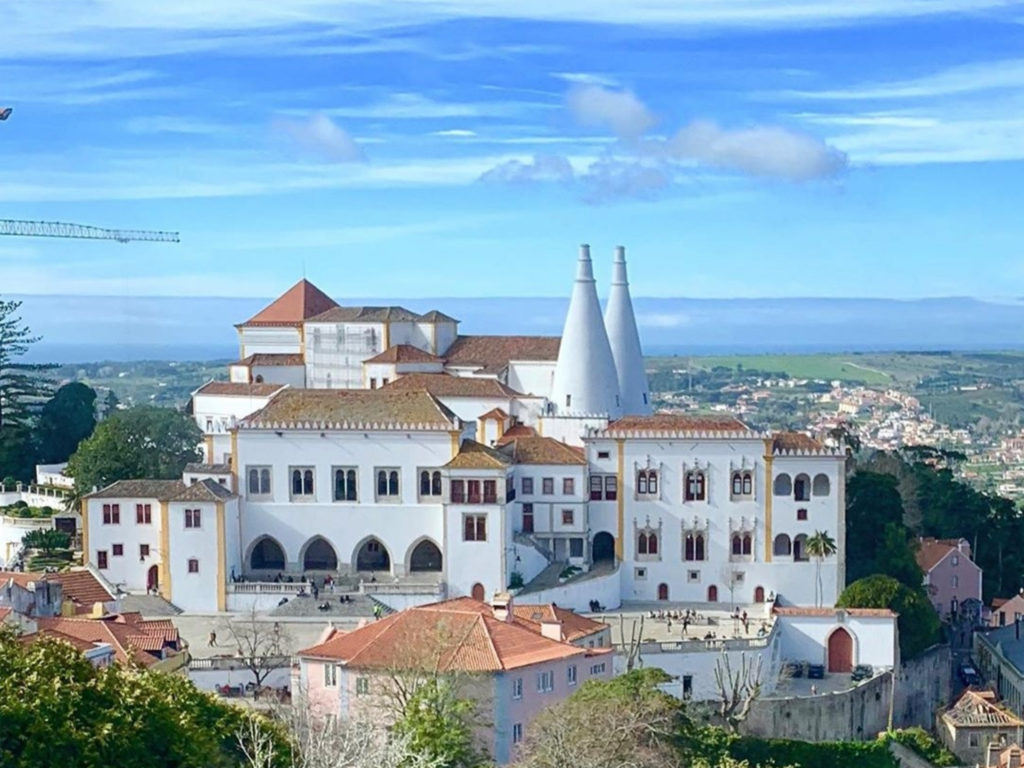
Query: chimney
x=501, y=604
x=1013, y=759
x=624, y=339
x=552, y=630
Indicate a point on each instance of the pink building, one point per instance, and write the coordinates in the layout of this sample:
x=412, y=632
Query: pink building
x=513, y=660
x=950, y=576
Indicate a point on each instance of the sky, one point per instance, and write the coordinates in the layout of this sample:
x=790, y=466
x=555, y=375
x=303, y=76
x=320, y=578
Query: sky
x=465, y=148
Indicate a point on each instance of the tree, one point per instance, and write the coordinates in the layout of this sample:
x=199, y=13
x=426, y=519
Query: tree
x=110, y=403
x=437, y=725
x=261, y=645
x=737, y=689
x=918, y=624
x=67, y=419
x=626, y=721
x=820, y=546
x=141, y=442
x=49, y=540
x=21, y=386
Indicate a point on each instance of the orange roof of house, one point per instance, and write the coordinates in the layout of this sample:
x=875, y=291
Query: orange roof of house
x=458, y=635
x=677, y=422
x=404, y=353
x=474, y=455
x=270, y=359
x=79, y=585
x=492, y=354
x=794, y=441
x=239, y=389
x=541, y=450
x=300, y=302
x=446, y=385
x=796, y=610
x=519, y=430
x=932, y=551
x=352, y=409
x=130, y=639
x=979, y=708
x=495, y=414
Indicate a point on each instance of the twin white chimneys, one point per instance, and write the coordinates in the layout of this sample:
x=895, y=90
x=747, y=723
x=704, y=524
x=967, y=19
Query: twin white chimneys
x=600, y=369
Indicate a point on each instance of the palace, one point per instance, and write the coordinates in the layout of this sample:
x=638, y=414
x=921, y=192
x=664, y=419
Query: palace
x=379, y=443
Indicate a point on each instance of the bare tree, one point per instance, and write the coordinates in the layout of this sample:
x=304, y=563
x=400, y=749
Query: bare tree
x=260, y=644
x=737, y=690
x=729, y=573
x=631, y=648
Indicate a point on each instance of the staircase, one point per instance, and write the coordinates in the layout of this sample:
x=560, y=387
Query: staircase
x=358, y=607
x=527, y=540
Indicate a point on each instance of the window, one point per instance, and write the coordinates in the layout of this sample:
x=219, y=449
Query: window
x=193, y=518
x=782, y=545
x=783, y=485
x=345, y=484
x=596, y=487
x=567, y=517
x=693, y=577
x=598, y=669
x=575, y=547
x=956, y=579
x=647, y=543
x=528, y=485
x=742, y=484
x=517, y=688
x=458, y=491
x=490, y=491
x=611, y=488
x=302, y=482
x=527, y=518
x=510, y=490
x=259, y=481
x=548, y=486
x=373, y=383
x=117, y=550
x=473, y=491
x=956, y=560
x=973, y=739
x=571, y=674
x=696, y=486
x=640, y=574
x=802, y=488
x=430, y=483
x=545, y=682
x=603, y=454
x=737, y=544
x=143, y=514
x=474, y=528
x=330, y=675
x=517, y=733
x=193, y=565
x=647, y=482
x=694, y=546
x=111, y=514
x=568, y=486
x=362, y=686
x=687, y=687
x=101, y=559
x=801, y=514
x=387, y=483
x=821, y=485
x=748, y=544
x=143, y=550
x=800, y=548
x=384, y=381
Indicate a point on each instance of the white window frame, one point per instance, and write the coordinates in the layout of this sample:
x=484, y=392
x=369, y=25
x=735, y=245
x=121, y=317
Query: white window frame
x=517, y=733
x=517, y=688
x=334, y=484
x=390, y=497
x=545, y=681
x=330, y=675
x=571, y=675
x=362, y=686
x=259, y=468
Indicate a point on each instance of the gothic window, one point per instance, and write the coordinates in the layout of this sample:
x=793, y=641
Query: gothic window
x=345, y=484
x=693, y=547
x=302, y=482
x=748, y=544
x=737, y=544
x=696, y=485
x=647, y=482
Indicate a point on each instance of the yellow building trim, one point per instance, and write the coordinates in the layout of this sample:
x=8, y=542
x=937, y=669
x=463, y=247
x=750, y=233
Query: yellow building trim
x=540, y=427
x=481, y=431
x=621, y=473
x=455, y=442
x=165, y=551
x=222, y=594
x=387, y=335
x=85, y=531
x=209, y=450
x=768, y=496
x=501, y=428
x=234, y=462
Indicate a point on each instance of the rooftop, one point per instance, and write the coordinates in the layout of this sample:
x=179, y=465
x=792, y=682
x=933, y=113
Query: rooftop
x=516, y=431
x=164, y=490
x=795, y=610
x=404, y=353
x=267, y=359
x=659, y=423
x=474, y=455
x=979, y=708
x=931, y=552
x=300, y=302
x=492, y=354
x=131, y=637
x=78, y=585
x=352, y=409
x=338, y=314
x=446, y=385
x=197, y=467
x=238, y=389
x=541, y=450
x=794, y=441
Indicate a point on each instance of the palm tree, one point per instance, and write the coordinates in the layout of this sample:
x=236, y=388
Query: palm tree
x=820, y=546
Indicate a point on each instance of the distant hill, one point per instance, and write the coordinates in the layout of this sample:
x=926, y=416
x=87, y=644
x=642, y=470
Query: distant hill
x=87, y=328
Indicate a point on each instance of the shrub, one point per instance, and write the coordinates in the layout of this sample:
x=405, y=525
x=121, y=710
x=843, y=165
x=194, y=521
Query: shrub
x=926, y=745
x=713, y=744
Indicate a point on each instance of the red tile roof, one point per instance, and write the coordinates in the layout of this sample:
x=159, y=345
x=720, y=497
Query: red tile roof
x=79, y=585
x=474, y=455
x=495, y=414
x=794, y=610
x=457, y=635
x=932, y=551
x=239, y=389
x=492, y=354
x=794, y=441
x=446, y=385
x=541, y=450
x=352, y=409
x=677, y=422
x=300, y=302
x=404, y=353
x=519, y=430
x=267, y=359
x=136, y=640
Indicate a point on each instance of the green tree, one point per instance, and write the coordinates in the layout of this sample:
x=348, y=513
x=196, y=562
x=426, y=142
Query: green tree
x=49, y=540
x=22, y=387
x=918, y=624
x=437, y=725
x=872, y=502
x=141, y=442
x=820, y=546
x=67, y=419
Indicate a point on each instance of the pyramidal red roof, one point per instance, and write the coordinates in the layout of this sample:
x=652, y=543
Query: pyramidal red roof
x=300, y=302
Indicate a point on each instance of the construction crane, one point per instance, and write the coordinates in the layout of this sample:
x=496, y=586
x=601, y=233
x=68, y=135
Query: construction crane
x=19, y=228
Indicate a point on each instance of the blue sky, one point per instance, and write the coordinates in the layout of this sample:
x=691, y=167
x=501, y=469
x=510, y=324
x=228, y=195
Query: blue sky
x=738, y=148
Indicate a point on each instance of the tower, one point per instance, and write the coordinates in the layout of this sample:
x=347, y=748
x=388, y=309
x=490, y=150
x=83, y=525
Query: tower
x=624, y=340
x=585, y=381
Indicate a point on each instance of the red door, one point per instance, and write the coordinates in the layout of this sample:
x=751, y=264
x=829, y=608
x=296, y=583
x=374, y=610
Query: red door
x=840, y=651
x=527, y=518
x=152, y=578
x=712, y=594
x=478, y=592
x=759, y=594
x=663, y=591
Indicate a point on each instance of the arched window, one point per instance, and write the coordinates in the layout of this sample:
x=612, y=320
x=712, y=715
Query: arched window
x=699, y=547
x=782, y=545
x=800, y=548
x=652, y=481
x=802, y=488
x=647, y=482
x=737, y=484
x=382, y=483
x=393, y=483
x=344, y=484
x=424, y=483
x=737, y=544
x=748, y=484
x=641, y=544
x=264, y=481
x=748, y=544
x=663, y=591
x=435, y=484
x=688, y=548
x=307, y=482
x=641, y=482
x=350, y=485
x=696, y=486
x=821, y=485
x=652, y=544
x=254, y=482
x=783, y=485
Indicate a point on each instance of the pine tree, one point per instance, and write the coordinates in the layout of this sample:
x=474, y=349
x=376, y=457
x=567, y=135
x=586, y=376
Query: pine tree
x=21, y=386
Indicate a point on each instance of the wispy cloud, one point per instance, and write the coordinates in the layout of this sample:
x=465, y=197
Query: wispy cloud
x=83, y=86
x=321, y=136
x=157, y=124
x=458, y=133
x=413, y=106
x=541, y=168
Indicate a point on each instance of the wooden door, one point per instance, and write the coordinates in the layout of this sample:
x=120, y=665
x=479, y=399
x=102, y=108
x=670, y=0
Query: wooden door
x=663, y=591
x=759, y=594
x=840, y=651
x=478, y=592
x=713, y=594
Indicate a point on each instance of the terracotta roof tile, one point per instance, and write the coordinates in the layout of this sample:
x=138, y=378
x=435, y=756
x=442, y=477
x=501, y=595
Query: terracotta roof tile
x=446, y=385
x=541, y=450
x=197, y=467
x=979, y=708
x=492, y=354
x=202, y=490
x=794, y=610
x=404, y=353
x=433, y=316
x=162, y=490
x=474, y=455
x=365, y=315
x=238, y=389
x=79, y=584
x=126, y=638
x=677, y=422
x=519, y=430
x=932, y=551
x=266, y=359
x=794, y=441
x=300, y=302
x=352, y=409
x=495, y=414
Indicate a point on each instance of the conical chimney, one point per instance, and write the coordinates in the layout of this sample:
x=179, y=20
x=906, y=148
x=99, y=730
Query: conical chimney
x=585, y=382
x=624, y=340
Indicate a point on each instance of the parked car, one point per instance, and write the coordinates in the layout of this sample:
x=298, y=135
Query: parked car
x=793, y=669
x=862, y=672
x=816, y=671
x=969, y=674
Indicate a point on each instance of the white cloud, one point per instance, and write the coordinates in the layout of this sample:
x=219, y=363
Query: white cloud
x=612, y=178
x=319, y=134
x=541, y=168
x=455, y=132
x=155, y=124
x=586, y=78
x=620, y=111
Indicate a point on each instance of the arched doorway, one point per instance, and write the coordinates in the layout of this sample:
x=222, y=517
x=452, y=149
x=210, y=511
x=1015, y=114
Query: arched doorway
x=604, y=547
x=319, y=556
x=840, y=651
x=759, y=594
x=663, y=591
x=373, y=556
x=153, y=578
x=713, y=594
x=425, y=557
x=478, y=592
x=266, y=555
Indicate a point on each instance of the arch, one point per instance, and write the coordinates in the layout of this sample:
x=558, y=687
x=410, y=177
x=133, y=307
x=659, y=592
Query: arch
x=802, y=487
x=663, y=591
x=737, y=483
x=424, y=482
x=652, y=544
x=800, y=548
x=821, y=485
x=748, y=484
x=840, y=651
x=737, y=544
x=758, y=594
x=604, y=547
x=748, y=544
x=783, y=485
x=319, y=555
x=425, y=555
x=782, y=545
x=698, y=541
x=641, y=544
x=153, y=578
x=478, y=592
x=266, y=554
x=435, y=483
x=713, y=594
x=372, y=555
